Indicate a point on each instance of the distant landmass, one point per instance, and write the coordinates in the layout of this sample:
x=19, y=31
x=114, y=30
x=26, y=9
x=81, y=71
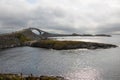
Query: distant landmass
x=27, y=37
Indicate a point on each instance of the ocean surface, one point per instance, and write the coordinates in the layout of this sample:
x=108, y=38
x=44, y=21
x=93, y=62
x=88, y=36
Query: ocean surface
x=77, y=64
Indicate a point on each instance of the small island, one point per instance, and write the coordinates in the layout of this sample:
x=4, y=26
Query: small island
x=66, y=45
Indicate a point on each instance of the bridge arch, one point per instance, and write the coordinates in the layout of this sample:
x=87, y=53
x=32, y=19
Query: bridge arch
x=37, y=31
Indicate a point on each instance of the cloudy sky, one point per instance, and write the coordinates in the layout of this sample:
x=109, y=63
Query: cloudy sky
x=61, y=16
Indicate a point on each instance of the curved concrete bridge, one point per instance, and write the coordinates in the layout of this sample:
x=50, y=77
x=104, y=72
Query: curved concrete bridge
x=41, y=32
x=34, y=33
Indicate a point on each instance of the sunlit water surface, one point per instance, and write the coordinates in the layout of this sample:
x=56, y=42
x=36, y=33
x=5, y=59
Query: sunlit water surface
x=79, y=64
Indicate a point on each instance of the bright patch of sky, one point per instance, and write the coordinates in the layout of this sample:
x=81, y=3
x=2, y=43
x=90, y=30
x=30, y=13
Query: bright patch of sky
x=32, y=1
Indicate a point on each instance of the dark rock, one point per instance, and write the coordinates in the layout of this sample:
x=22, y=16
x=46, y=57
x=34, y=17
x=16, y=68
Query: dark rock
x=27, y=38
x=64, y=45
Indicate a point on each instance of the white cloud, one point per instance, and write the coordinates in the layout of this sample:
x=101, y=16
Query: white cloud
x=80, y=16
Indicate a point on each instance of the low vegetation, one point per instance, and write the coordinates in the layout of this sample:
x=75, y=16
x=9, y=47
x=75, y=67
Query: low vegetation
x=12, y=40
x=28, y=38
x=21, y=37
x=31, y=77
x=64, y=45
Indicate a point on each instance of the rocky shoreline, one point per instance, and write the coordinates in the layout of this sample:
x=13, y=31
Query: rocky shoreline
x=27, y=38
x=65, y=45
x=29, y=77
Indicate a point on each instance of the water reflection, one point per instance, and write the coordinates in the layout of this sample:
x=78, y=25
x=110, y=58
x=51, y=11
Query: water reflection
x=72, y=64
x=84, y=74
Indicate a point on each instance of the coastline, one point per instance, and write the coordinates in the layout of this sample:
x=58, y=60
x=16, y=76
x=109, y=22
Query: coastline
x=28, y=77
x=22, y=38
x=66, y=45
x=27, y=38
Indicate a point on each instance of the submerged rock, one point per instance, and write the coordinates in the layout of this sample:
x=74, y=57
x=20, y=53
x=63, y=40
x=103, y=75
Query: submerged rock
x=65, y=45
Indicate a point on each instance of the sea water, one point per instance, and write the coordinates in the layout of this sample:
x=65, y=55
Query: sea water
x=76, y=64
